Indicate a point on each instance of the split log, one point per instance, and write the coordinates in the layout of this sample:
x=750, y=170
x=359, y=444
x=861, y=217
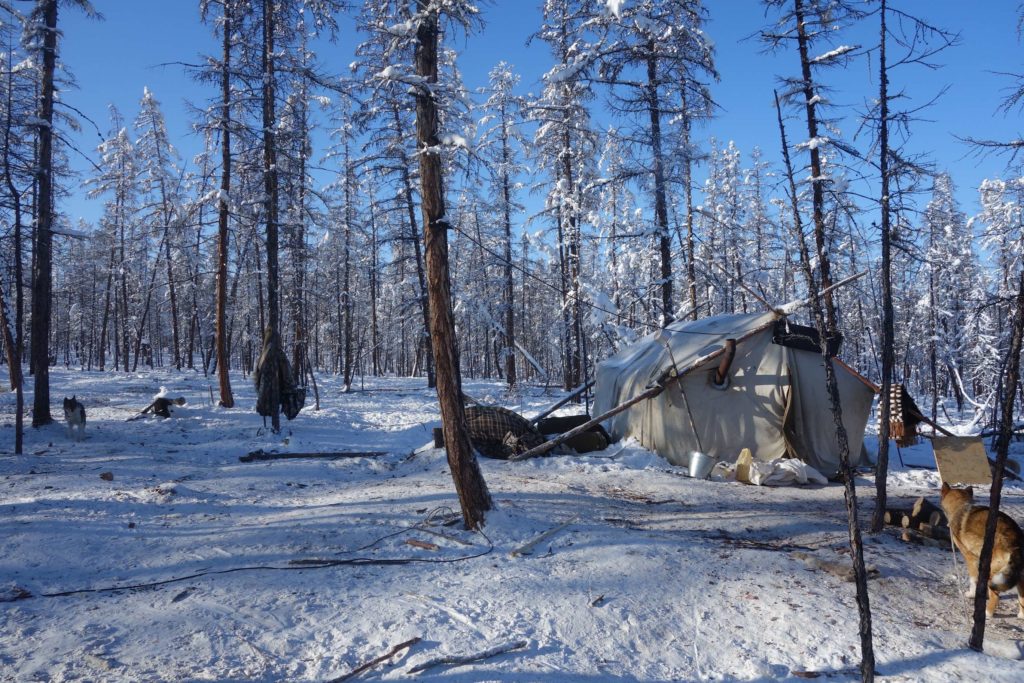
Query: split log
x=894, y=516
x=374, y=662
x=460, y=660
x=923, y=509
x=939, y=533
x=915, y=537
x=330, y=455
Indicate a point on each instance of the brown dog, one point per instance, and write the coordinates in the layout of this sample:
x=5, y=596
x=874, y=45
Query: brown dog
x=967, y=527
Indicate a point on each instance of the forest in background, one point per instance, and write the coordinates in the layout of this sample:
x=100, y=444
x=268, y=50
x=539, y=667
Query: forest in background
x=574, y=217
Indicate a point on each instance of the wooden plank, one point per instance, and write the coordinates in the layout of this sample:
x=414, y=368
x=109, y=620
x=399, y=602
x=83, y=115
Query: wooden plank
x=962, y=460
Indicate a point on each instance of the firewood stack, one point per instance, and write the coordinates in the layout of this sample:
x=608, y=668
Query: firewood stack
x=904, y=416
x=923, y=523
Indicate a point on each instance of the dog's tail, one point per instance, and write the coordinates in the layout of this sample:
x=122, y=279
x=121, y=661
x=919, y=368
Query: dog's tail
x=1009, y=575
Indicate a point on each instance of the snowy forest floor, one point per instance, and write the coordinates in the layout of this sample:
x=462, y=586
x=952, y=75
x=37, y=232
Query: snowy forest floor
x=182, y=566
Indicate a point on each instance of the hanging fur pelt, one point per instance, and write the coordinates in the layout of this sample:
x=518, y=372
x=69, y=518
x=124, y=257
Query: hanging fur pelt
x=274, y=383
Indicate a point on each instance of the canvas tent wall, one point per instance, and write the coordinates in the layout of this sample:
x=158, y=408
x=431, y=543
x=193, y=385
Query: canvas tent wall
x=774, y=401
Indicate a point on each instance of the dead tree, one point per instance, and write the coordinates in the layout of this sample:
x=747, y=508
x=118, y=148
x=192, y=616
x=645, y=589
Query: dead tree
x=826, y=332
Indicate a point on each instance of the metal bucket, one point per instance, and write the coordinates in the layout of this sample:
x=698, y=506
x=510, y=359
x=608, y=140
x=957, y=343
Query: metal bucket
x=701, y=465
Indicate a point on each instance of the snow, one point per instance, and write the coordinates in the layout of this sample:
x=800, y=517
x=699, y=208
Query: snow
x=188, y=564
x=834, y=54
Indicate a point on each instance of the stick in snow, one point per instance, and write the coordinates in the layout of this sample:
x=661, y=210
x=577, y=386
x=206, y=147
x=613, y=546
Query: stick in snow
x=457, y=660
x=374, y=662
x=528, y=547
x=262, y=455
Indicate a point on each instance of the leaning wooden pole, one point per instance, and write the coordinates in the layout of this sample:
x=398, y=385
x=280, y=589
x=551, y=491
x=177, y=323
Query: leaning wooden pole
x=573, y=394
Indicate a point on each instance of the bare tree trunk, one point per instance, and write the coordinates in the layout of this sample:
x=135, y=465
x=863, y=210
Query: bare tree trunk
x=510, y=306
x=270, y=187
x=474, y=497
x=42, y=275
x=817, y=183
x=846, y=472
x=660, y=195
x=691, y=254
x=350, y=217
x=425, y=341
x=172, y=290
x=977, y=639
x=888, y=333
x=220, y=331
x=374, y=258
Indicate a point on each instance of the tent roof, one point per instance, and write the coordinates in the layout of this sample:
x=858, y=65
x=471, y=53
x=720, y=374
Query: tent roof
x=686, y=341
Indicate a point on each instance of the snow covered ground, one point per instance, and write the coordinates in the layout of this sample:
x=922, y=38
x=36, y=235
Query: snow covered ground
x=152, y=553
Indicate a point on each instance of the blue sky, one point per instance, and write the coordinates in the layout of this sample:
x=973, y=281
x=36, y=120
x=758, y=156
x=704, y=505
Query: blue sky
x=142, y=43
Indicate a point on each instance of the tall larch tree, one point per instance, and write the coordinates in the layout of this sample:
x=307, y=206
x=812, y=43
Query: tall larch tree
x=656, y=60
x=501, y=141
x=474, y=497
x=565, y=148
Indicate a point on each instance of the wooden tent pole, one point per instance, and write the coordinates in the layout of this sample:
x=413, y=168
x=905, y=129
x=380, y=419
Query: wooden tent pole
x=576, y=392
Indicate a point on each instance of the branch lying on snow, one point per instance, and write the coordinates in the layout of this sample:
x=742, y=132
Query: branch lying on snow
x=527, y=548
x=262, y=455
x=374, y=662
x=461, y=660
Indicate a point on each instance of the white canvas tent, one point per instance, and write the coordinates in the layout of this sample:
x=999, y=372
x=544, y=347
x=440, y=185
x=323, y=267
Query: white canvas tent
x=774, y=400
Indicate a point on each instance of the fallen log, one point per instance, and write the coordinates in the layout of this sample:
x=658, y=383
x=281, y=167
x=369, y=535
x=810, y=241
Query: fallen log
x=330, y=455
x=374, y=662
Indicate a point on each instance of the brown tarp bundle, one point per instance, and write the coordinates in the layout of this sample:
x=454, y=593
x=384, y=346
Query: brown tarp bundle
x=500, y=433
